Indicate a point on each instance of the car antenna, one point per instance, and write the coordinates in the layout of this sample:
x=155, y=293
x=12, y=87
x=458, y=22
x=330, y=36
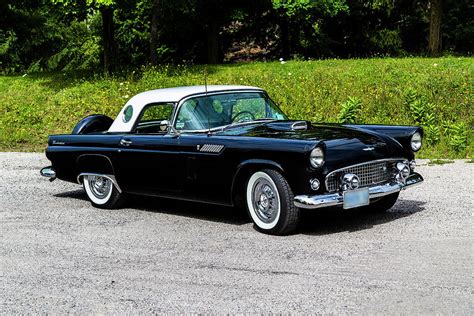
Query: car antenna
x=207, y=107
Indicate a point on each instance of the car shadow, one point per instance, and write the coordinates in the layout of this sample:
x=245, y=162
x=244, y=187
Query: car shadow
x=78, y=194
x=208, y=212
x=202, y=211
x=313, y=222
x=336, y=220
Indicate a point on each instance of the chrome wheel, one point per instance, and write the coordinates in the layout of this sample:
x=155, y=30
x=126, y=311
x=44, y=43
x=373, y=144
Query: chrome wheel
x=100, y=186
x=265, y=200
x=99, y=189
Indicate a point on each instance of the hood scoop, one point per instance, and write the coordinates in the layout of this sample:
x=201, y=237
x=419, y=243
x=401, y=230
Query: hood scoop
x=289, y=125
x=299, y=126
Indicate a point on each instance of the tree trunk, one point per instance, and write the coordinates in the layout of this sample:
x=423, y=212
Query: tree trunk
x=210, y=14
x=212, y=43
x=154, y=32
x=108, y=40
x=436, y=12
x=285, y=37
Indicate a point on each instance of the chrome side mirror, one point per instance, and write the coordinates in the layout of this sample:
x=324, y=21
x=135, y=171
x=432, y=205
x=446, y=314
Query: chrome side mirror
x=164, y=125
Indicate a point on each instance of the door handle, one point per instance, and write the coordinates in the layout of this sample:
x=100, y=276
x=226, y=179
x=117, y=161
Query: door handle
x=125, y=142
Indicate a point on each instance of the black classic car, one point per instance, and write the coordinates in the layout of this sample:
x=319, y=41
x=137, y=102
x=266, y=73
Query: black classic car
x=231, y=145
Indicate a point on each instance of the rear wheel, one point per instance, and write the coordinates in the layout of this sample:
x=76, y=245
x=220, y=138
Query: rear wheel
x=270, y=203
x=383, y=204
x=101, y=192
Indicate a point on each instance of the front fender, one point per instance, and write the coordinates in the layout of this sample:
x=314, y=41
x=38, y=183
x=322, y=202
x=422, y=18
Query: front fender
x=244, y=169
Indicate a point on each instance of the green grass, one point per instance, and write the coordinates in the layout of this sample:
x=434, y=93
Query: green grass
x=36, y=105
x=433, y=162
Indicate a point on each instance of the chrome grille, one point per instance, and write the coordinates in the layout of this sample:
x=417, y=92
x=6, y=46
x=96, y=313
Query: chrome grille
x=369, y=173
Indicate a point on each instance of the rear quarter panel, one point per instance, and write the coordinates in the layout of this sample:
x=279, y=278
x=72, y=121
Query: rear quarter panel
x=64, y=150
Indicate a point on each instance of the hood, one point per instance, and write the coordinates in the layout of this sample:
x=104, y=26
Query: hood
x=303, y=130
x=362, y=145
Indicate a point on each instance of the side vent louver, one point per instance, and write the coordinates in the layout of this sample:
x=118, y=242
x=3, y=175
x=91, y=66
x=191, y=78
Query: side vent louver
x=208, y=148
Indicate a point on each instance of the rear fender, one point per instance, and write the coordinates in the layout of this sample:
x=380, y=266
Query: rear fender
x=95, y=163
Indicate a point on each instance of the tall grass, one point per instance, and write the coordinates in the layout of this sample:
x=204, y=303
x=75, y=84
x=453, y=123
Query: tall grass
x=436, y=93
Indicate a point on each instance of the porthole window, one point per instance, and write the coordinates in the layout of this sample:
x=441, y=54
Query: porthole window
x=127, y=114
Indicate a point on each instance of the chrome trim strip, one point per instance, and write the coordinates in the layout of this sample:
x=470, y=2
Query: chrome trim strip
x=333, y=199
x=108, y=176
x=359, y=164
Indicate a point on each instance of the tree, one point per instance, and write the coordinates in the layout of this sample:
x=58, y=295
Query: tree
x=106, y=8
x=436, y=12
x=300, y=23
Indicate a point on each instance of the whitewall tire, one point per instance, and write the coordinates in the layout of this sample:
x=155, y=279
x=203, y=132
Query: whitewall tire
x=270, y=203
x=102, y=192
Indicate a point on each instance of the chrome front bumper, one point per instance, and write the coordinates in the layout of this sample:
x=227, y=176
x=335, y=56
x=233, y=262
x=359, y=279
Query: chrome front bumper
x=334, y=199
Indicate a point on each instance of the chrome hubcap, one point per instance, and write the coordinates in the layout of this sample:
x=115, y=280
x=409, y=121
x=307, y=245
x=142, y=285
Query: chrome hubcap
x=99, y=186
x=265, y=200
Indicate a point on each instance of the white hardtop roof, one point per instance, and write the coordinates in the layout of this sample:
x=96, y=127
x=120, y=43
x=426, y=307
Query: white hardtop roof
x=139, y=101
x=178, y=93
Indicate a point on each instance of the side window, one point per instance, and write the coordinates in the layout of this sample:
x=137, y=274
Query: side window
x=155, y=118
x=191, y=116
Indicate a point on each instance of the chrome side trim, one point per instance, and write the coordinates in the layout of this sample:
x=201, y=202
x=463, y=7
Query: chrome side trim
x=333, y=199
x=108, y=176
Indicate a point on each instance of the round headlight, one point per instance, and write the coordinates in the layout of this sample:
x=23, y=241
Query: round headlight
x=415, y=142
x=316, y=158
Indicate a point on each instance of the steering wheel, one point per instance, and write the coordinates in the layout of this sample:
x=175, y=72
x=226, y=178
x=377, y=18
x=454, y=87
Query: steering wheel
x=249, y=114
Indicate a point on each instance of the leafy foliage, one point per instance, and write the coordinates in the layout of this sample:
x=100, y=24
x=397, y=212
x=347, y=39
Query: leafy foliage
x=423, y=114
x=457, y=134
x=39, y=35
x=350, y=110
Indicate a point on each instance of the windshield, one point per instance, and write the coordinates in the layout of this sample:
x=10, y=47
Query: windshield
x=220, y=110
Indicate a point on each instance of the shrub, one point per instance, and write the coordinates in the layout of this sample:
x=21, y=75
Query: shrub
x=423, y=114
x=457, y=134
x=350, y=111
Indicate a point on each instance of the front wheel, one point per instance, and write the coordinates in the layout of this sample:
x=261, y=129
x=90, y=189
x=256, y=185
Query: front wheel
x=102, y=193
x=270, y=203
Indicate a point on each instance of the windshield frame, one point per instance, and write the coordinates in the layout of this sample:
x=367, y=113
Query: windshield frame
x=223, y=127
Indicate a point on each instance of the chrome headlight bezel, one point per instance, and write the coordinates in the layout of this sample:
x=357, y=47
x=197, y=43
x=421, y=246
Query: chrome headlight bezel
x=416, y=142
x=316, y=157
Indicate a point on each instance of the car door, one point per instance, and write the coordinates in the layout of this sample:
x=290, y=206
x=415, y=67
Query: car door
x=210, y=167
x=149, y=157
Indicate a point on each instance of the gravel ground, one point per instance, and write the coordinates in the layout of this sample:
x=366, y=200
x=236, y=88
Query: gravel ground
x=60, y=255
